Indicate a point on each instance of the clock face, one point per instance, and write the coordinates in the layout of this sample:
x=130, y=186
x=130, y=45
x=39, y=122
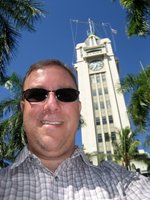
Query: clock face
x=96, y=65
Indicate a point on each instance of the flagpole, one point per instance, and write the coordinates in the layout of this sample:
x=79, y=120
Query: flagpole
x=113, y=31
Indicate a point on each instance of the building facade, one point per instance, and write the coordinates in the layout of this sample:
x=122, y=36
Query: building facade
x=103, y=108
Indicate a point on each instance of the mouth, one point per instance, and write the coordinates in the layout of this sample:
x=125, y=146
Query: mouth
x=45, y=122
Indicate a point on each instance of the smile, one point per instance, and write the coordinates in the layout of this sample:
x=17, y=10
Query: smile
x=52, y=122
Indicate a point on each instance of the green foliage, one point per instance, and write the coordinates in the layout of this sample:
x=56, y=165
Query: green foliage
x=138, y=16
x=15, y=15
x=126, y=148
x=147, y=141
x=138, y=86
x=138, y=13
x=12, y=137
x=100, y=156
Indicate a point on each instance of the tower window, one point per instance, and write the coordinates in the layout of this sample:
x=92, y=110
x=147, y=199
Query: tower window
x=108, y=105
x=100, y=91
x=103, y=77
x=97, y=121
x=102, y=105
x=106, y=90
x=106, y=137
x=93, y=81
x=113, y=136
x=104, y=120
x=95, y=105
x=99, y=137
x=110, y=119
x=98, y=78
x=93, y=92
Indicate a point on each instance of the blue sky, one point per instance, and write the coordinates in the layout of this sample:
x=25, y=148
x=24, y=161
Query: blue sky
x=54, y=35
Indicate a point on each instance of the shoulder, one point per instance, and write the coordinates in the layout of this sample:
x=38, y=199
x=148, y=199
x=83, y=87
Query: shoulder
x=132, y=183
x=111, y=168
x=107, y=169
x=18, y=161
x=114, y=173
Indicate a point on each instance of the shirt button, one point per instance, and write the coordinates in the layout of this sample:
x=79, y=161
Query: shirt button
x=31, y=159
x=56, y=178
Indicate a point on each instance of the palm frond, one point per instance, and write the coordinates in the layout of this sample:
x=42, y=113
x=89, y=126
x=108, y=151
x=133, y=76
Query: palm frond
x=137, y=16
x=8, y=43
x=22, y=14
x=138, y=86
x=126, y=148
x=8, y=107
x=12, y=138
x=14, y=16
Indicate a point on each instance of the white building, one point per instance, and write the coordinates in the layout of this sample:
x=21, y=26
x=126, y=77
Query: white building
x=139, y=164
x=103, y=108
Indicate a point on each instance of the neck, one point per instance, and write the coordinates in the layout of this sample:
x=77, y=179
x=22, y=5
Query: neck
x=52, y=161
x=52, y=164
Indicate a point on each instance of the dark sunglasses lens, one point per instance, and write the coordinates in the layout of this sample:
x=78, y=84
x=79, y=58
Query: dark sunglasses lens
x=67, y=94
x=35, y=94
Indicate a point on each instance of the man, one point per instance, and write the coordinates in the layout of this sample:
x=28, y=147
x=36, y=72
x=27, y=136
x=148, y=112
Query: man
x=51, y=167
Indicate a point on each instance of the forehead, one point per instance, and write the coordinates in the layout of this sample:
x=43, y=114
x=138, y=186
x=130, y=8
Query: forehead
x=51, y=74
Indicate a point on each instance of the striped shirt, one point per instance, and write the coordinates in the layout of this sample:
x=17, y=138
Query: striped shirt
x=74, y=179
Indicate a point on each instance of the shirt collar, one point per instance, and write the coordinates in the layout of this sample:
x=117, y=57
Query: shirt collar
x=21, y=157
x=25, y=154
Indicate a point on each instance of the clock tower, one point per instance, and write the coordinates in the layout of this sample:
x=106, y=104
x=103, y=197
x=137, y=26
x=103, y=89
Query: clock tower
x=103, y=108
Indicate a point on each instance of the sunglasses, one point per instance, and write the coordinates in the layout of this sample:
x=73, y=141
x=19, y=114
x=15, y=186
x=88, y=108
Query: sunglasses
x=40, y=94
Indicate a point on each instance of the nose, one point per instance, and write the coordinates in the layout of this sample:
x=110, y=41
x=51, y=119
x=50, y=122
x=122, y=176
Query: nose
x=51, y=103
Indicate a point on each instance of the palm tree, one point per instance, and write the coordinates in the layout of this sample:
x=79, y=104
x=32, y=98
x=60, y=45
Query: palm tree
x=14, y=16
x=138, y=86
x=6, y=151
x=12, y=137
x=125, y=149
x=138, y=16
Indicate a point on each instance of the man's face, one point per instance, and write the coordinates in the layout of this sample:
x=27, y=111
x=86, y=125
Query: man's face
x=50, y=125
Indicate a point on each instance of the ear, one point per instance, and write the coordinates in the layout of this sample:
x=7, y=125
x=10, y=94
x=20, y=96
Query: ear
x=22, y=105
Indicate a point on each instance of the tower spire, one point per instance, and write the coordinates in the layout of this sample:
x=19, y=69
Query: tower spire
x=91, y=27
